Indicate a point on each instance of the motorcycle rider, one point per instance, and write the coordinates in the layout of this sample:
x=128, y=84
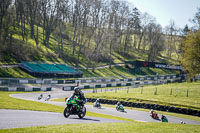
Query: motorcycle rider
x=153, y=113
x=80, y=95
x=48, y=97
x=119, y=105
x=164, y=118
x=40, y=97
x=97, y=102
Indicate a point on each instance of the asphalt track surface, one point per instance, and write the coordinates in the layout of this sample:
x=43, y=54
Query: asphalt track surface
x=25, y=118
x=129, y=114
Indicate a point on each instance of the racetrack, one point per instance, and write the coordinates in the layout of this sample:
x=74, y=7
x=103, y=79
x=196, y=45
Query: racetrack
x=25, y=118
x=130, y=114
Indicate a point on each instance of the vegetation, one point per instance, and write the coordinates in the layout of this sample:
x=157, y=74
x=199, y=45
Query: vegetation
x=117, y=72
x=185, y=95
x=82, y=33
x=191, y=56
x=136, y=127
x=13, y=73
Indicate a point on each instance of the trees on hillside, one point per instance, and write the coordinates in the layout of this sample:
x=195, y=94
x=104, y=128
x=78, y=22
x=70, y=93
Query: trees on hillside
x=94, y=29
x=4, y=5
x=191, y=54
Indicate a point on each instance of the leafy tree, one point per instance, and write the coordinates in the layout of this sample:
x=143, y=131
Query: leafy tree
x=191, y=54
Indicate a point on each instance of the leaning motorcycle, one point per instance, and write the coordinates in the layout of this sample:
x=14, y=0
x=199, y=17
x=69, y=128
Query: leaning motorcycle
x=73, y=108
x=120, y=108
x=97, y=105
x=155, y=116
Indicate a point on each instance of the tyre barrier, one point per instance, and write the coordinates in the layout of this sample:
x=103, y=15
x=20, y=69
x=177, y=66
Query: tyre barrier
x=25, y=89
x=150, y=106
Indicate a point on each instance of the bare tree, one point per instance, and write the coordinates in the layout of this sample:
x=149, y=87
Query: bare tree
x=4, y=5
x=145, y=20
x=155, y=41
x=49, y=16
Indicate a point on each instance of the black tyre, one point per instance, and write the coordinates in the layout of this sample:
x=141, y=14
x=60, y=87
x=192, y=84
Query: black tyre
x=99, y=106
x=82, y=114
x=67, y=112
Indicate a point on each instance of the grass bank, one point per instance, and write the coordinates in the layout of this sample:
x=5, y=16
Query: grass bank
x=186, y=95
x=136, y=127
x=115, y=72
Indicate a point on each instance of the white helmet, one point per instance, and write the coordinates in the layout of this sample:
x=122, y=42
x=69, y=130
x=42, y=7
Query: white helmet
x=76, y=90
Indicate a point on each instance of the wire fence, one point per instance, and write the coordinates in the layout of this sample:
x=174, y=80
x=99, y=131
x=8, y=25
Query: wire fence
x=173, y=89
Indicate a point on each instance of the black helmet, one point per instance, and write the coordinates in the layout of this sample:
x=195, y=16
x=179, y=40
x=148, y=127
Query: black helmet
x=76, y=90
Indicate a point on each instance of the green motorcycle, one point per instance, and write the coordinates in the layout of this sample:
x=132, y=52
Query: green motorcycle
x=120, y=108
x=73, y=108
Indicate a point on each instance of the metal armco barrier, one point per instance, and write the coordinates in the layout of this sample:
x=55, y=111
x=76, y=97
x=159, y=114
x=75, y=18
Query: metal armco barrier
x=97, y=80
x=134, y=83
x=24, y=89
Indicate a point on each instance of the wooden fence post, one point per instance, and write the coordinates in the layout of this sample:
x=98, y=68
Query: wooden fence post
x=142, y=90
x=155, y=93
x=171, y=91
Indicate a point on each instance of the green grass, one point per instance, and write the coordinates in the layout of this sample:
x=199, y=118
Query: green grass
x=115, y=72
x=14, y=73
x=7, y=102
x=178, y=98
x=120, y=72
x=136, y=127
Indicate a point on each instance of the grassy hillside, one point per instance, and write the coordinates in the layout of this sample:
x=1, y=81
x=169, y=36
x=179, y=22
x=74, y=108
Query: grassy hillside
x=115, y=72
x=27, y=50
x=14, y=73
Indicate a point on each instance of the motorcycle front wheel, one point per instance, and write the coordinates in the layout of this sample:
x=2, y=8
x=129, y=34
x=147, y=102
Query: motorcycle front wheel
x=82, y=114
x=67, y=112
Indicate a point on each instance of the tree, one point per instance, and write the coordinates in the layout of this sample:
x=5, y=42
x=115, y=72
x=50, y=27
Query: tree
x=113, y=27
x=135, y=20
x=171, y=32
x=49, y=14
x=196, y=20
x=146, y=19
x=155, y=40
x=186, y=30
x=191, y=56
x=4, y=5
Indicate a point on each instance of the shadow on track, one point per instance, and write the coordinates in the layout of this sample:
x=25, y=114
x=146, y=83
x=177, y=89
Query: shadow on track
x=89, y=119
